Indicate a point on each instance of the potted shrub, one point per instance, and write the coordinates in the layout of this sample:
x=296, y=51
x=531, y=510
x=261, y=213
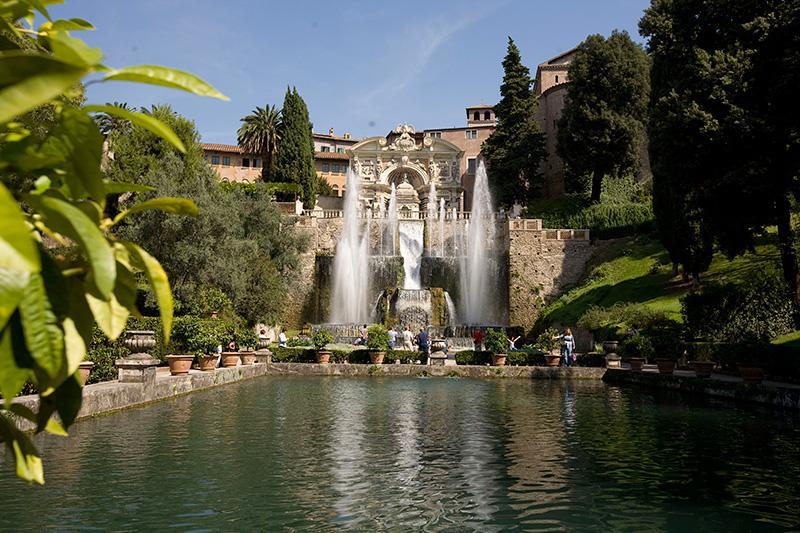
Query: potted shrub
x=321, y=339
x=377, y=343
x=702, y=361
x=247, y=340
x=666, y=365
x=549, y=343
x=497, y=344
x=636, y=349
x=203, y=344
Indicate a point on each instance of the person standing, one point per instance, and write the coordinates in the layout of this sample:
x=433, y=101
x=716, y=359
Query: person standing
x=282, y=339
x=477, y=340
x=392, y=338
x=422, y=341
x=407, y=339
x=567, y=347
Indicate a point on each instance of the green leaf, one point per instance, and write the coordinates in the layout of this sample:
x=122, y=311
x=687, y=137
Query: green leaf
x=110, y=315
x=68, y=398
x=17, y=248
x=158, y=281
x=73, y=50
x=28, y=80
x=54, y=427
x=74, y=347
x=12, y=288
x=73, y=24
x=70, y=221
x=148, y=122
x=43, y=335
x=12, y=378
x=26, y=456
x=167, y=77
x=115, y=187
x=176, y=206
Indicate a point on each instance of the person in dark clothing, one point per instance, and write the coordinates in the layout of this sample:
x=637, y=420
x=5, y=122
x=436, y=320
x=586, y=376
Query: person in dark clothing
x=422, y=341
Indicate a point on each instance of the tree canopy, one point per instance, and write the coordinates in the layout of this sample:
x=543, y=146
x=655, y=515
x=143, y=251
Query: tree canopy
x=260, y=134
x=295, y=159
x=602, y=126
x=516, y=148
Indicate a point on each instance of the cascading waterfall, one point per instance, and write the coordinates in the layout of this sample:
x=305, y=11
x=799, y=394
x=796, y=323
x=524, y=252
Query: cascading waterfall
x=351, y=262
x=411, y=235
x=431, y=216
x=393, y=219
x=476, y=274
x=442, y=216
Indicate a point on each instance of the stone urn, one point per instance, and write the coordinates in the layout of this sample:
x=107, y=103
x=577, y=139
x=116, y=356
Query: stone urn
x=612, y=359
x=437, y=356
x=263, y=343
x=499, y=359
x=179, y=364
x=323, y=357
x=207, y=362
x=665, y=365
x=702, y=369
x=553, y=358
x=751, y=374
x=248, y=357
x=139, y=366
x=610, y=347
x=376, y=357
x=637, y=363
x=229, y=359
x=84, y=370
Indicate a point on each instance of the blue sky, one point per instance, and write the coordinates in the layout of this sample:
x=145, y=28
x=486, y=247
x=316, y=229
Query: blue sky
x=361, y=66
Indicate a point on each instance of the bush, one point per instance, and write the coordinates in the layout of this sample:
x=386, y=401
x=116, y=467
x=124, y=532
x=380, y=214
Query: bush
x=548, y=340
x=637, y=345
x=496, y=341
x=102, y=352
x=377, y=338
x=322, y=338
x=756, y=312
x=299, y=341
x=606, y=221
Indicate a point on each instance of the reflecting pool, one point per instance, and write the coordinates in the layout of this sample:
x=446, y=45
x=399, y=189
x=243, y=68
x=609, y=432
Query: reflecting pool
x=403, y=454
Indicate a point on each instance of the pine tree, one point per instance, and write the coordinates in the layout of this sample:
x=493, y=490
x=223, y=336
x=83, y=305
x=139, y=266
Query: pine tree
x=516, y=148
x=603, y=123
x=295, y=159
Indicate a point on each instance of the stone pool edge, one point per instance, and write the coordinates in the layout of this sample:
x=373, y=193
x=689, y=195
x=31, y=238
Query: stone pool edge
x=110, y=396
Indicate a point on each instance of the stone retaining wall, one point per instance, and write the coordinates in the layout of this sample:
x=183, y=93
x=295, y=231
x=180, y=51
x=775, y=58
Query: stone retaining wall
x=779, y=395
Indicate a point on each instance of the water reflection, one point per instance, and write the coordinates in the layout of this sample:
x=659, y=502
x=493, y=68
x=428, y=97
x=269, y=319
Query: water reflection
x=407, y=454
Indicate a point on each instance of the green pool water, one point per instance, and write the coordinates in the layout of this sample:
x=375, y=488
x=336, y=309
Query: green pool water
x=406, y=454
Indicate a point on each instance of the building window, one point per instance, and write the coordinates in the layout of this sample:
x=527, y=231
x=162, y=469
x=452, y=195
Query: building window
x=256, y=163
x=476, y=115
x=487, y=115
x=215, y=160
x=336, y=167
x=436, y=134
x=245, y=162
x=226, y=161
x=556, y=78
x=472, y=134
x=344, y=168
x=326, y=167
x=340, y=150
x=335, y=190
x=326, y=148
x=471, y=166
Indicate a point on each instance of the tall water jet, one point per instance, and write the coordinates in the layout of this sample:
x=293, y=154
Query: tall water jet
x=442, y=216
x=411, y=236
x=431, y=216
x=381, y=226
x=393, y=219
x=351, y=262
x=477, y=279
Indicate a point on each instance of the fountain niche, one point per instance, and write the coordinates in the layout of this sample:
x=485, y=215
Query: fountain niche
x=418, y=262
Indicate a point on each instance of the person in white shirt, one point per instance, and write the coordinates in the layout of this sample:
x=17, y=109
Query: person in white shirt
x=408, y=337
x=282, y=340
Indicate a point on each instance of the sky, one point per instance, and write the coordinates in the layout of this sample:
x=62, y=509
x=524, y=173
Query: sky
x=361, y=66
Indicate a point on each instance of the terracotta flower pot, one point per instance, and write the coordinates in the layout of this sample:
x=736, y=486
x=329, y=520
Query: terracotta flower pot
x=179, y=364
x=248, y=358
x=229, y=359
x=499, y=359
x=376, y=357
x=552, y=359
x=323, y=357
x=702, y=369
x=207, y=362
x=751, y=374
x=636, y=363
x=84, y=370
x=665, y=366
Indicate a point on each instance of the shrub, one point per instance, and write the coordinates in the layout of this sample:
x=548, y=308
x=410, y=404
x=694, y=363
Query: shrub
x=322, y=338
x=299, y=341
x=496, y=341
x=637, y=345
x=547, y=341
x=103, y=352
x=377, y=338
x=607, y=221
x=246, y=337
x=756, y=312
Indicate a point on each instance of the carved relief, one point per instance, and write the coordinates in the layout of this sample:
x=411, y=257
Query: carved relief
x=404, y=143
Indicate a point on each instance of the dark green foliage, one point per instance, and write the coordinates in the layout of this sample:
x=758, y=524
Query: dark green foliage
x=103, y=353
x=206, y=256
x=758, y=311
x=260, y=134
x=548, y=340
x=606, y=221
x=496, y=341
x=322, y=338
x=198, y=336
x=516, y=147
x=602, y=127
x=377, y=337
x=637, y=345
x=294, y=162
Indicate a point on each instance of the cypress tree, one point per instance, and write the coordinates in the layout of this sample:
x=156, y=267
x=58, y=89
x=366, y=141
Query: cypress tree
x=516, y=148
x=602, y=126
x=295, y=159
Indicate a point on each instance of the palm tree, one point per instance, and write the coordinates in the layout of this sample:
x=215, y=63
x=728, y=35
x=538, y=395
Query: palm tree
x=260, y=135
x=110, y=123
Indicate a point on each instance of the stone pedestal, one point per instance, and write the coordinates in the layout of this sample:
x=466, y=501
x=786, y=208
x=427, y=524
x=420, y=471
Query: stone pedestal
x=437, y=356
x=263, y=356
x=137, y=369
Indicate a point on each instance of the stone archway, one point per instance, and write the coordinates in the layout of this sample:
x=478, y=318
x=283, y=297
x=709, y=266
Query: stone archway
x=401, y=174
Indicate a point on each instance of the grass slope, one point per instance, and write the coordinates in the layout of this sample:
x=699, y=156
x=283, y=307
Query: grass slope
x=637, y=270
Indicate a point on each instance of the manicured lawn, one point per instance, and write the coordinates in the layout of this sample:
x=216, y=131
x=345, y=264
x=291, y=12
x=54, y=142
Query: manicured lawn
x=637, y=270
x=790, y=340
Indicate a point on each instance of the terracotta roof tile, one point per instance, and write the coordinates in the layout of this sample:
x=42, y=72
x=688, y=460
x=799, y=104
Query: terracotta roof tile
x=331, y=155
x=215, y=147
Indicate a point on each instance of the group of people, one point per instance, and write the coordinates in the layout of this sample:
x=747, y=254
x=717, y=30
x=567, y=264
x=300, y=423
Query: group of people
x=567, y=344
x=401, y=340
